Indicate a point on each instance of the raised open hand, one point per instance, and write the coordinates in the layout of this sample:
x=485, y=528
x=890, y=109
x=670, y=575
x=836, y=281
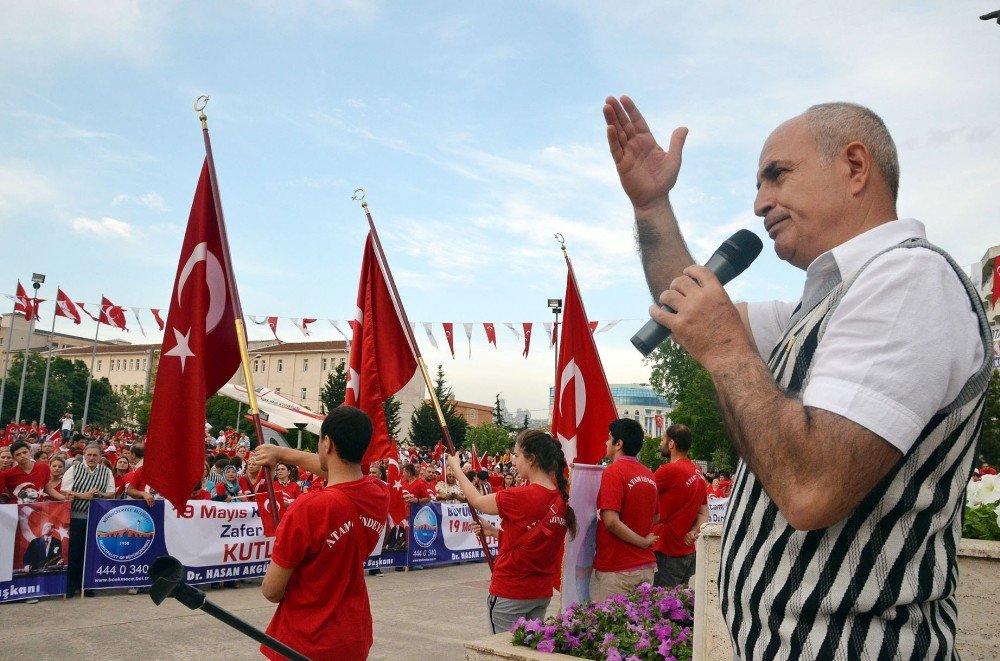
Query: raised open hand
x=646, y=171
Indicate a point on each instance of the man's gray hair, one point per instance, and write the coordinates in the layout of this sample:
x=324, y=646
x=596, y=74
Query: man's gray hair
x=94, y=444
x=837, y=124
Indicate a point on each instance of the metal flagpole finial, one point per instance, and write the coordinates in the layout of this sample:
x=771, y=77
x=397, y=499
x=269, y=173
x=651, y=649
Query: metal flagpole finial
x=361, y=198
x=199, y=107
x=561, y=240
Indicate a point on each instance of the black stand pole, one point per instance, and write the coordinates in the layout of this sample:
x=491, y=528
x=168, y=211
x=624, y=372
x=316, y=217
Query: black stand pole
x=167, y=574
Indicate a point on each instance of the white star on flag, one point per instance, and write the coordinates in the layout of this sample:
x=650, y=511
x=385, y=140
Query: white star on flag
x=354, y=383
x=181, y=349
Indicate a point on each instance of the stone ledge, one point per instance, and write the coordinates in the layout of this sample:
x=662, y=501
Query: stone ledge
x=500, y=647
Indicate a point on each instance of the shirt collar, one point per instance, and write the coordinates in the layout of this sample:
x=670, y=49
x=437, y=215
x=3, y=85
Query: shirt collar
x=843, y=260
x=625, y=457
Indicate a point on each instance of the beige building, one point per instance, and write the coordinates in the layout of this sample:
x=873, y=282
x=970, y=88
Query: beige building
x=41, y=338
x=474, y=414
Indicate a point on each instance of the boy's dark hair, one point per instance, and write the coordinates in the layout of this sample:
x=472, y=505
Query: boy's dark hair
x=220, y=464
x=17, y=445
x=350, y=429
x=483, y=475
x=410, y=470
x=630, y=433
x=681, y=436
x=138, y=449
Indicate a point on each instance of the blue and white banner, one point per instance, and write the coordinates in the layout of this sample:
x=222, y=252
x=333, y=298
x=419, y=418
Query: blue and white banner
x=441, y=533
x=214, y=541
x=34, y=550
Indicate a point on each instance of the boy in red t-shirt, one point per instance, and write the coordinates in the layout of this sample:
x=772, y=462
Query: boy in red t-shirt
x=316, y=574
x=683, y=507
x=627, y=505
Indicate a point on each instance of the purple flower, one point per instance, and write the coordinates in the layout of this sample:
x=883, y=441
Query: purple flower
x=610, y=639
x=572, y=642
x=549, y=632
x=533, y=626
x=613, y=654
x=547, y=646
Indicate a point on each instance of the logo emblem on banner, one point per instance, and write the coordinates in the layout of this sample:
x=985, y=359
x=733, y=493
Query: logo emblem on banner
x=124, y=533
x=425, y=527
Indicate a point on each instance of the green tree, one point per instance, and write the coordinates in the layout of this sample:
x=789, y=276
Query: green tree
x=989, y=446
x=527, y=421
x=680, y=379
x=335, y=391
x=498, y=413
x=425, y=429
x=392, y=420
x=222, y=412
x=650, y=455
x=489, y=438
x=67, y=391
x=134, y=404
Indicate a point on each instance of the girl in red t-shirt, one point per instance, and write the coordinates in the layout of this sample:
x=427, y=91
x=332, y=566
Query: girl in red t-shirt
x=121, y=473
x=285, y=484
x=534, y=520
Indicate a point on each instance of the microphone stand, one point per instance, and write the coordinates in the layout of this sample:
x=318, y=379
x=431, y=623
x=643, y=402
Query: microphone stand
x=167, y=574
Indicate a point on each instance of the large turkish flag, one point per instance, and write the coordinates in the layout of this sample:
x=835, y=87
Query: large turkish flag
x=200, y=353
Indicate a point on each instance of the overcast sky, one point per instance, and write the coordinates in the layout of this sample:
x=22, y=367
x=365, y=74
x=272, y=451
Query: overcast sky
x=476, y=129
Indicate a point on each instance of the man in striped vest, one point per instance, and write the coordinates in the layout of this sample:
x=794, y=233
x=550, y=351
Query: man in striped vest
x=856, y=410
x=83, y=482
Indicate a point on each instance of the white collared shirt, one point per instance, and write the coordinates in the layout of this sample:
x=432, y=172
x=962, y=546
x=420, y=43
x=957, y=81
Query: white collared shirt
x=899, y=347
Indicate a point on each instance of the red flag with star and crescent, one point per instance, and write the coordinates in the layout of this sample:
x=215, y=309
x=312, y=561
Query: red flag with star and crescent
x=583, y=406
x=200, y=353
x=111, y=314
x=65, y=307
x=25, y=304
x=381, y=361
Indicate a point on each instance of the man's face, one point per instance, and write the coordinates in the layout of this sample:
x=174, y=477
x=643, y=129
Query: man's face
x=46, y=529
x=22, y=457
x=48, y=447
x=665, y=445
x=6, y=461
x=801, y=198
x=610, y=448
x=91, y=456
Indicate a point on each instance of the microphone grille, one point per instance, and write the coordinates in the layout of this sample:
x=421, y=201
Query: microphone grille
x=741, y=249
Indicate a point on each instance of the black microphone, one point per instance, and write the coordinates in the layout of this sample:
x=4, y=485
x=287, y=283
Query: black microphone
x=731, y=259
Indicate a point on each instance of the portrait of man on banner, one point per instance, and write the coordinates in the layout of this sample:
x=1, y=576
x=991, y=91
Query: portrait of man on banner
x=41, y=543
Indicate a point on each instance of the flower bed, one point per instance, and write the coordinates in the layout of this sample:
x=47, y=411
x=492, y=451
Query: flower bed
x=647, y=623
x=982, y=514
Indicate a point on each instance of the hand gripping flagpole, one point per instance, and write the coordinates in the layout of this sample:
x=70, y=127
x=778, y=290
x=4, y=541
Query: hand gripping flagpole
x=359, y=195
x=241, y=332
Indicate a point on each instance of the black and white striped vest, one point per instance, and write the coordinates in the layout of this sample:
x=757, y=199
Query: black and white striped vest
x=881, y=583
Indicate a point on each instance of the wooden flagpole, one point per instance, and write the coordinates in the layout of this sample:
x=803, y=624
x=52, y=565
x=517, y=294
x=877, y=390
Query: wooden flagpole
x=401, y=312
x=241, y=333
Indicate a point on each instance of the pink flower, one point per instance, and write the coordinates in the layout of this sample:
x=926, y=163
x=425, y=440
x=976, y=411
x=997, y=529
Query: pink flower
x=547, y=646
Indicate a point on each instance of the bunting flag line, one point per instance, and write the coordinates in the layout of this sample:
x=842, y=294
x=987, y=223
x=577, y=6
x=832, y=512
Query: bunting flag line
x=608, y=326
x=199, y=354
x=66, y=307
x=135, y=313
x=512, y=330
x=430, y=334
x=303, y=325
x=491, y=333
x=527, y=337
x=468, y=336
x=548, y=331
x=81, y=306
x=260, y=321
x=450, y=336
x=334, y=323
x=156, y=316
x=273, y=323
x=593, y=326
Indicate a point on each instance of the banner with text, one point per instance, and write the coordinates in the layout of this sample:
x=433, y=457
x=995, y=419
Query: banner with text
x=717, y=508
x=34, y=550
x=442, y=533
x=214, y=541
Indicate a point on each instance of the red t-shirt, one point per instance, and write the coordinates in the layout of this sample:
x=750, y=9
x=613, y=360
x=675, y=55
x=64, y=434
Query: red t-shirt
x=325, y=540
x=27, y=487
x=288, y=492
x=530, y=544
x=418, y=489
x=627, y=487
x=989, y=470
x=683, y=491
x=249, y=487
x=201, y=494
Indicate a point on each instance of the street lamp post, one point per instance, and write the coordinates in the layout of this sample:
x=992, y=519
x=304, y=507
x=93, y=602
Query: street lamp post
x=36, y=282
x=555, y=304
x=300, y=426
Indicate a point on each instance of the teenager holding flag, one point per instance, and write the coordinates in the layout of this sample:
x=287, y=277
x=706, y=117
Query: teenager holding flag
x=533, y=524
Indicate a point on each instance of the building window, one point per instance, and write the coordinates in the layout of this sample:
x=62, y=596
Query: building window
x=343, y=360
x=277, y=390
x=263, y=366
x=305, y=364
x=255, y=364
x=279, y=365
x=98, y=366
x=472, y=414
x=304, y=394
x=144, y=363
x=322, y=365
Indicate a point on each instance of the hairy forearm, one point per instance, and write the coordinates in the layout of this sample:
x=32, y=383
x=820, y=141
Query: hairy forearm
x=815, y=465
x=617, y=527
x=661, y=246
